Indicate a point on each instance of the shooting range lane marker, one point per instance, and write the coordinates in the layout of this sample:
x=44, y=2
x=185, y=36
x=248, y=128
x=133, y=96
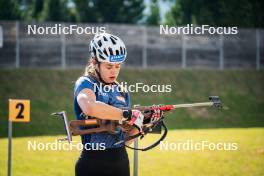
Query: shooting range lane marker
x=19, y=111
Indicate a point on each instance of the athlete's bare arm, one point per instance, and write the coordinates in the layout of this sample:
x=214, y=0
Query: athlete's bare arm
x=87, y=102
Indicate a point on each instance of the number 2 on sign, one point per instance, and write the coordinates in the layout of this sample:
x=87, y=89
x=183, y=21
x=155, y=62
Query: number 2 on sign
x=19, y=110
x=20, y=115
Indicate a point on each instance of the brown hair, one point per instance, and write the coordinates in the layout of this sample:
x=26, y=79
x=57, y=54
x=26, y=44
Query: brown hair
x=90, y=69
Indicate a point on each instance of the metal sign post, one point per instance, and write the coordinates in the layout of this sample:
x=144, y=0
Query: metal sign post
x=19, y=111
x=135, y=169
x=9, y=148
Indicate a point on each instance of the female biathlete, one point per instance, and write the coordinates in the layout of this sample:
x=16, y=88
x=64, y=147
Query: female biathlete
x=107, y=53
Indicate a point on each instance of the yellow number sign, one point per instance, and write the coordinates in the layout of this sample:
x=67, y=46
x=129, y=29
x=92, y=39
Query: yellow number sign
x=19, y=110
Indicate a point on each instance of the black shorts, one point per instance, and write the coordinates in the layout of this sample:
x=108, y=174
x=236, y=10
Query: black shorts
x=109, y=162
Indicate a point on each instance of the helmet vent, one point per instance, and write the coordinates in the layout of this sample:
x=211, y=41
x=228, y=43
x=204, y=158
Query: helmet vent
x=113, y=41
x=121, y=50
x=100, y=51
x=94, y=51
x=111, y=51
x=105, y=39
x=117, y=52
x=105, y=52
x=101, y=57
x=99, y=43
x=114, y=37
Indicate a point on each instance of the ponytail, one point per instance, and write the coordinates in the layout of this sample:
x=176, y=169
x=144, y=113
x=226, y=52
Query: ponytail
x=89, y=69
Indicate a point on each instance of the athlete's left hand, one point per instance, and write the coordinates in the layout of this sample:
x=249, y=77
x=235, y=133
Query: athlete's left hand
x=156, y=113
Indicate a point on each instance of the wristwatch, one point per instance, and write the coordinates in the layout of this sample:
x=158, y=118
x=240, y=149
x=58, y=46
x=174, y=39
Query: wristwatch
x=127, y=114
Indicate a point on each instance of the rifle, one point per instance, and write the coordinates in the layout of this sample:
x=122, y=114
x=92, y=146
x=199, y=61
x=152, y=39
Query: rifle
x=95, y=125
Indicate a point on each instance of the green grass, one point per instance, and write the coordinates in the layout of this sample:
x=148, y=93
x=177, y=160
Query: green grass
x=52, y=90
x=247, y=160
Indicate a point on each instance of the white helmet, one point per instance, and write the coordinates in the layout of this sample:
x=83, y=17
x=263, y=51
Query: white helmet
x=108, y=48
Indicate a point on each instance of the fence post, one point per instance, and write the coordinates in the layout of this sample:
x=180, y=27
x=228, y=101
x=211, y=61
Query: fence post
x=63, y=50
x=257, y=50
x=144, y=52
x=221, y=52
x=183, y=51
x=17, y=63
x=1, y=37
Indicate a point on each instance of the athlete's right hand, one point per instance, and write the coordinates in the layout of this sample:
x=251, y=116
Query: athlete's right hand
x=137, y=119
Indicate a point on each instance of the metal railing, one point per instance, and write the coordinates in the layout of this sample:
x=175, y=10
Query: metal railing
x=147, y=48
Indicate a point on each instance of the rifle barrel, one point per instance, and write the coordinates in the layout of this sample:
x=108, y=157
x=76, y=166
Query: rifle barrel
x=193, y=105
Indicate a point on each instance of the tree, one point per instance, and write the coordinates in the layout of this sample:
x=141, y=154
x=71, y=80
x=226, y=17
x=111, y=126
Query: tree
x=32, y=10
x=115, y=11
x=9, y=10
x=86, y=10
x=38, y=6
x=245, y=13
x=131, y=11
x=154, y=17
x=56, y=10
